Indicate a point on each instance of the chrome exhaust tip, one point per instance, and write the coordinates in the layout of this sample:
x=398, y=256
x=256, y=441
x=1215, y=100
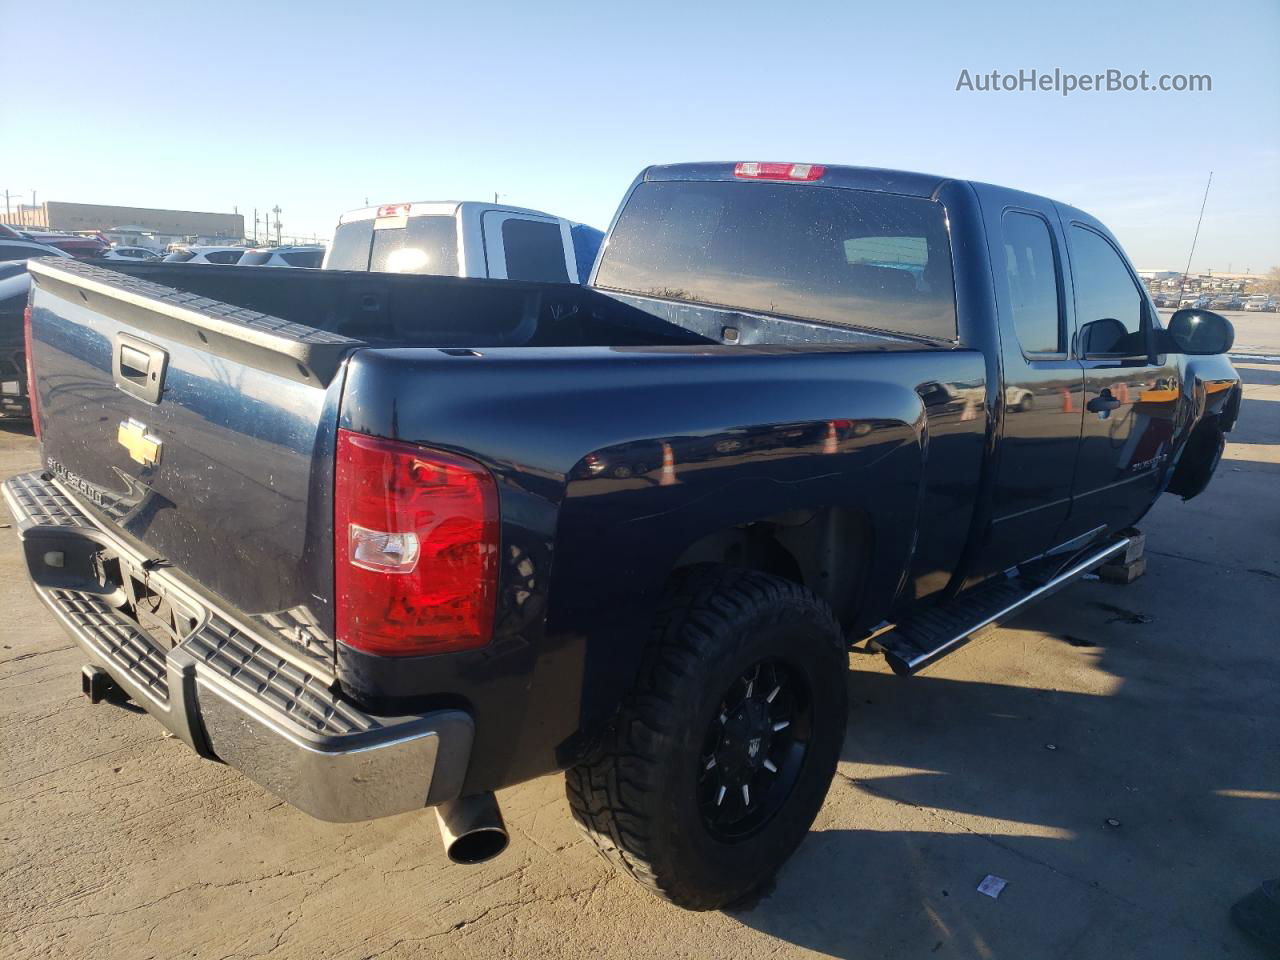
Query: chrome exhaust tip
x=471, y=828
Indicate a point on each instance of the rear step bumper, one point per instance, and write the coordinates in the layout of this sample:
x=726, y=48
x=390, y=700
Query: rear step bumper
x=228, y=692
x=913, y=645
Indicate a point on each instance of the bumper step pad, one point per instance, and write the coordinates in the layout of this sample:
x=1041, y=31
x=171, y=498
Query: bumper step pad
x=229, y=693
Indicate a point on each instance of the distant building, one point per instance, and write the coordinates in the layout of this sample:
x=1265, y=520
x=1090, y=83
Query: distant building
x=60, y=215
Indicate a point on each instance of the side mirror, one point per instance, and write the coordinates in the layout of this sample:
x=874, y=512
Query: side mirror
x=1200, y=332
x=1108, y=338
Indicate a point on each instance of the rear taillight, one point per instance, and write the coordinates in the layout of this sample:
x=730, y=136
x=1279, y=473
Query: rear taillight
x=779, y=171
x=416, y=548
x=32, y=397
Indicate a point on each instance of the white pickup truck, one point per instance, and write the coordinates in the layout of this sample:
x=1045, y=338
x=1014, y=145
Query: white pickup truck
x=464, y=239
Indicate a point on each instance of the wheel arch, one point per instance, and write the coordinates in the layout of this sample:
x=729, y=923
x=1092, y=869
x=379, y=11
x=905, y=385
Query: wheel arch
x=827, y=550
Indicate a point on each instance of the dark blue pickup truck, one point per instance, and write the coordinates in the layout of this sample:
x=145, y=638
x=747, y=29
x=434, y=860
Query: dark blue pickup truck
x=389, y=542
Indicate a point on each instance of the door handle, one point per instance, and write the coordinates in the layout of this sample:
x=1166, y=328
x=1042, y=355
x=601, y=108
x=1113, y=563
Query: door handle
x=1102, y=403
x=139, y=367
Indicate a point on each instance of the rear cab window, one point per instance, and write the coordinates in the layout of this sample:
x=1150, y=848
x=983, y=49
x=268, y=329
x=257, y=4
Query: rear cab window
x=424, y=245
x=834, y=255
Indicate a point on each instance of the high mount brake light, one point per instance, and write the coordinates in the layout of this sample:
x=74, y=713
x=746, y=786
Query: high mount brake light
x=394, y=210
x=32, y=398
x=415, y=548
x=779, y=171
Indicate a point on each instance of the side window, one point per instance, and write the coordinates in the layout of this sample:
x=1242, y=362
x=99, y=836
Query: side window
x=1109, y=305
x=1032, y=279
x=224, y=256
x=534, y=250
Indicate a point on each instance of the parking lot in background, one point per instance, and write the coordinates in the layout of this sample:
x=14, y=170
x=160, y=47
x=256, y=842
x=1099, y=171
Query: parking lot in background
x=1111, y=754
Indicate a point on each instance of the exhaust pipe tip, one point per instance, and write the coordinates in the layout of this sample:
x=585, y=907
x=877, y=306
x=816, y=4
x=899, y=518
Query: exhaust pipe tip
x=471, y=828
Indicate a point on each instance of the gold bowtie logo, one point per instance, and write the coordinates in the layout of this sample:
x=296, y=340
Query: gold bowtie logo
x=142, y=446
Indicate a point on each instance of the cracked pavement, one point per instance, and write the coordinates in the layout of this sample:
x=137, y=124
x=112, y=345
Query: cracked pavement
x=1009, y=757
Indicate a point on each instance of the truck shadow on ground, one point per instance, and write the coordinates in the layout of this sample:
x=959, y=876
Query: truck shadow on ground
x=1263, y=374
x=1150, y=764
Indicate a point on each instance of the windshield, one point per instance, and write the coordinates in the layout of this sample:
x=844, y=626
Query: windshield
x=849, y=257
x=397, y=245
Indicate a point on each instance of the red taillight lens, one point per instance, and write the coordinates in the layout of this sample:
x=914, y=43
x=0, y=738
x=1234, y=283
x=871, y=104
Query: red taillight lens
x=32, y=398
x=779, y=171
x=416, y=548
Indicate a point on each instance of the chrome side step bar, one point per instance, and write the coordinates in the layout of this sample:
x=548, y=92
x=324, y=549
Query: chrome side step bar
x=933, y=633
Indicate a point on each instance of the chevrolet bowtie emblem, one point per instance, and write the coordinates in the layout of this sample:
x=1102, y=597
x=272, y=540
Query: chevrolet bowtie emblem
x=142, y=446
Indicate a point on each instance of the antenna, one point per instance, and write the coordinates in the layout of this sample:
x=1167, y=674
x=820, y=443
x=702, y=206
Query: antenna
x=1196, y=237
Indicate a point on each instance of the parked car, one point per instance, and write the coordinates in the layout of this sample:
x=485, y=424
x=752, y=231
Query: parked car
x=468, y=239
x=365, y=536
x=78, y=245
x=23, y=249
x=130, y=253
x=205, y=254
x=1260, y=303
x=15, y=286
x=302, y=256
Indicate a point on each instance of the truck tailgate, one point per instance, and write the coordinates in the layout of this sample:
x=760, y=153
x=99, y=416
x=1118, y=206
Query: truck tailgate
x=200, y=432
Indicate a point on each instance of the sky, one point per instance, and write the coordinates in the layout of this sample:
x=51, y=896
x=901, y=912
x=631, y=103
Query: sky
x=320, y=106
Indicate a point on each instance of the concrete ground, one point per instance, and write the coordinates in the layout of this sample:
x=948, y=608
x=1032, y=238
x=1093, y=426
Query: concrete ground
x=1112, y=754
x=1255, y=332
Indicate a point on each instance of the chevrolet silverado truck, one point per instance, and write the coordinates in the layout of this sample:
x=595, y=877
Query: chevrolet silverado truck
x=464, y=239
x=385, y=542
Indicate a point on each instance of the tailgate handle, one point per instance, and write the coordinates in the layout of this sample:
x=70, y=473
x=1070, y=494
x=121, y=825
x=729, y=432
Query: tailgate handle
x=139, y=367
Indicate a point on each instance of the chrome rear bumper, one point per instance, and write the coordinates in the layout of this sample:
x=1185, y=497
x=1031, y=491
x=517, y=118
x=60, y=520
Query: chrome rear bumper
x=227, y=690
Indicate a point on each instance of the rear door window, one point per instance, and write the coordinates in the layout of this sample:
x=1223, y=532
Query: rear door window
x=224, y=256
x=1031, y=278
x=534, y=249
x=839, y=256
x=255, y=258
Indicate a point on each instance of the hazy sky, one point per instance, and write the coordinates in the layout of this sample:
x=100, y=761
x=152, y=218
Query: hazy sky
x=318, y=105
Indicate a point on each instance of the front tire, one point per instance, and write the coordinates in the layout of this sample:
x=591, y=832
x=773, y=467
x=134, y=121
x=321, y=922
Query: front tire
x=722, y=754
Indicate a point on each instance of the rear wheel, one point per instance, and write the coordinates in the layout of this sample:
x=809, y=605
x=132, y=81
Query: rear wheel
x=721, y=756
